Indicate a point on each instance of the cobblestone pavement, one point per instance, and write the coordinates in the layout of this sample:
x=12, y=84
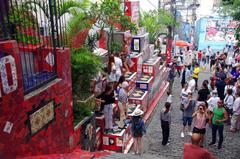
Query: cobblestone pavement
x=152, y=148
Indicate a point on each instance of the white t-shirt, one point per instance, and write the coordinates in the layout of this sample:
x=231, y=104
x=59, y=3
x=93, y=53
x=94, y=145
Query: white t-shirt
x=169, y=98
x=191, y=85
x=228, y=101
x=236, y=106
x=119, y=64
x=212, y=102
x=184, y=95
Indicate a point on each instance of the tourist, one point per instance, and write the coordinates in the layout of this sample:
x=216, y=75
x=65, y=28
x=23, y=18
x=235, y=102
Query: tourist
x=230, y=85
x=138, y=130
x=122, y=103
x=189, y=105
x=196, y=72
x=212, y=60
x=235, y=73
x=220, y=85
x=204, y=93
x=184, y=79
x=200, y=118
x=119, y=65
x=208, y=54
x=191, y=84
x=112, y=69
x=188, y=72
x=213, y=100
x=184, y=95
x=236, y=113
x=169, y=97
x=165, y=117
x=228, y=102
x=171, y=76
x=218, y=117
x=200, y=56
x=194, y=151
x=107, y=99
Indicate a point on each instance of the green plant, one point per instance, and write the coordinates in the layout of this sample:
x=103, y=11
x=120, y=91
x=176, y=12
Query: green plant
x=116, y=47
x=27, y=39
x=156, y=22
x=126, y=24
x=85, y=65
x=91, y=41
x=82, y=109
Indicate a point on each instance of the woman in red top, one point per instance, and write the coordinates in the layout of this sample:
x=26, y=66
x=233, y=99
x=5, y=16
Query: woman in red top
x=199, y=56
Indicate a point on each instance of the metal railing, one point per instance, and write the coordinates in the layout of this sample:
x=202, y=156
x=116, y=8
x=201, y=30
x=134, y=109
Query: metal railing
x=39, y=28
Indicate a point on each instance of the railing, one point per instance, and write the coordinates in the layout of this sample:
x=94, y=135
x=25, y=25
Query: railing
x=39, y=28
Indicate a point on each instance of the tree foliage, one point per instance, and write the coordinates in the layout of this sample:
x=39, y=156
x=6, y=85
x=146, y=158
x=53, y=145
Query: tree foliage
x=156, y=22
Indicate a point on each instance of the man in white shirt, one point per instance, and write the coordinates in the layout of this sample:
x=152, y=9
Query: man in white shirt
x=236, y=113
x=208, y=54
x=212, y=101
x=191, y=84
x=118, y=64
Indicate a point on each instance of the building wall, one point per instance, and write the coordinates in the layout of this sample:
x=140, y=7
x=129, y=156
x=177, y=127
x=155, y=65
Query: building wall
x=214, y=32
x=40, y=122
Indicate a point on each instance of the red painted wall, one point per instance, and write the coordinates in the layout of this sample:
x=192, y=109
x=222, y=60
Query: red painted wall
x=57, y=135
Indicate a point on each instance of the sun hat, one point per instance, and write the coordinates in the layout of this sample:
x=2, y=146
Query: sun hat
x=125, y=84
x=138, y=112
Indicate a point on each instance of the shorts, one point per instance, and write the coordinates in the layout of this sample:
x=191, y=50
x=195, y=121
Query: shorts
x=199, y=131
x=187, y=120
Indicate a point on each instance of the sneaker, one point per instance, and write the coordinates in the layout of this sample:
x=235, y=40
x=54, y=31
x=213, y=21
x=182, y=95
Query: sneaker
x=182, y=134
x=190, y=133
x=168, y=144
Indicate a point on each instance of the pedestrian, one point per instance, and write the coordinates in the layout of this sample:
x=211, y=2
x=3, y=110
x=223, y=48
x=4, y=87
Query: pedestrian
x=212, y=60
x=122, y=103
x=200, y=56
x=236, y=113
x=119, y=65
x=194, y=151
x=203, y=93
x=220, y=85
x=188, y=72
x=189, y=106
x=230, y=85
x=200, y=120
x=165, y=117
x=196, y=72
x=107, y=99
x=171, y=76
x=218, y=117
x=138, y=130
x=213, y=100
x=208, y=54
x=191, y=84
x=112, y=70
x=183, y=80
x=169, y=97
x=228, y=103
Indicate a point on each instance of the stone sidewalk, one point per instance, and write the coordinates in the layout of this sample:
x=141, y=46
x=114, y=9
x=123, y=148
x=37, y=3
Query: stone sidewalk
x=152, y=148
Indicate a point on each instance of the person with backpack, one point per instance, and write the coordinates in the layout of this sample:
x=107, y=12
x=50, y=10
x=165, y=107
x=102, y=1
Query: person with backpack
x=165, y=117
x=189, y=107
x=138, y=130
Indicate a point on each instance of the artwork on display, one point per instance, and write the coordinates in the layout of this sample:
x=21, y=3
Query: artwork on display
x=8, y=127
x=220, y=30
x=41, y=117
x=136, y=44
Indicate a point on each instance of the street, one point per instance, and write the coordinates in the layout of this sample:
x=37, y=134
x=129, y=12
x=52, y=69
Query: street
x=151, y=143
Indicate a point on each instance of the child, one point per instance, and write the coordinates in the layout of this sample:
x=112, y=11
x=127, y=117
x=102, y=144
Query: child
x=138, y=130
x=165, y=116
x=169, y=97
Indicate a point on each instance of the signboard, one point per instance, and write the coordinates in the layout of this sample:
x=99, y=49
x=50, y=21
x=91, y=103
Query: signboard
x=132, y=10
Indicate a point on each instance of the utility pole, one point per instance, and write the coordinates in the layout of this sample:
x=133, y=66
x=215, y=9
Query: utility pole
x=159, y=4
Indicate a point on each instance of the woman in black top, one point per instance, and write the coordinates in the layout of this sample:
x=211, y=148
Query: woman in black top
x=107, y=99
x=204, y=93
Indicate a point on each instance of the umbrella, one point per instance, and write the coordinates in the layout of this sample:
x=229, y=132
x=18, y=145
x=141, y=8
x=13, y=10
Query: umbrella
x=182, y=43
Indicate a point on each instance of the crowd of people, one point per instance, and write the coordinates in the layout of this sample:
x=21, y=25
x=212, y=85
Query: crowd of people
x=217, y=101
